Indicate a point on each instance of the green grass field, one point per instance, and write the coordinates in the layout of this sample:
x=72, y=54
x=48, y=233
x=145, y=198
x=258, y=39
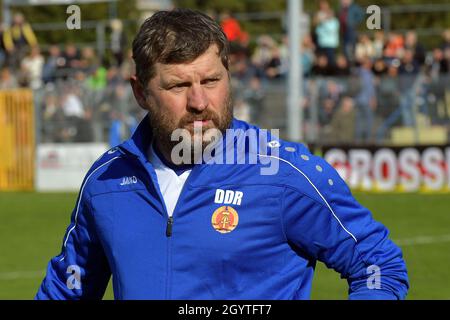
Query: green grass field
x=33, y=225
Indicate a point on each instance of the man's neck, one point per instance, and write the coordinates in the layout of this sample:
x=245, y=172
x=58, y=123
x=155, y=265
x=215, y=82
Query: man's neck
x=162, y=153
x=165, y=157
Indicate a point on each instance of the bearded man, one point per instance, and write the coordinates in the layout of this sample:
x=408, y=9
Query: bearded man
x=202, y=229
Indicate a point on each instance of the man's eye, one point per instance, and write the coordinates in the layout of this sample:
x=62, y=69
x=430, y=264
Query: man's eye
x=210, y=81
x=178, y=87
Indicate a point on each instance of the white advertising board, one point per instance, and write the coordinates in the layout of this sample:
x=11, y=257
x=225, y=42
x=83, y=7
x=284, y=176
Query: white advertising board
x=62, y=167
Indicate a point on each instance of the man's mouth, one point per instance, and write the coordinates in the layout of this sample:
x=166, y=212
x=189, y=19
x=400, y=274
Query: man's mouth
x=202, y=122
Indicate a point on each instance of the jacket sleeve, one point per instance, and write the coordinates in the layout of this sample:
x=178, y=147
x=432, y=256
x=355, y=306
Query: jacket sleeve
x=81, y=270
x=331, y=226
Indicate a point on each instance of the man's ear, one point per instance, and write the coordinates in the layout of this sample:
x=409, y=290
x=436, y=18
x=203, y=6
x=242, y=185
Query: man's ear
x=139, y=92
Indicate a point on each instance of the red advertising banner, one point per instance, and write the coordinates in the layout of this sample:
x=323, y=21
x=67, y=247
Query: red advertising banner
x=406, y=169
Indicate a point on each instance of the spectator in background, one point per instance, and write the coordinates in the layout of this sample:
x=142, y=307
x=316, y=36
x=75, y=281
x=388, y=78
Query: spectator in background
x=23, y=39
x=117, y=129
x=350, y=16
x=262, y=54
x=232, y=28
x=365, y=102
x=122, y=127
x=327, y=31
x=127, y=69
x=439, y=64
x=342, y=126
x=379, y=67
x=409, y=68
x=247, y=86
x=84, y=127
x=67, y=119
x=445, y=39
x=329, y=100
x=118, y=41
x=72, y=105
x=378, y=44
x=273, y=69
x=96, y=84
x=322, y=13
x=307, y=56
x=6, y=45
x=55, y=128
x=88, y=60
x=400, y=100
x=445, y=48
x=388, y=95
x=253, y=95
x=321, y=66
x=342, y=68
x=121, y=97
x=415, y=47
x=71, y=60
x=7, y=79
x=32, y=66
x=446, y=65
x=394, y=47
x=364, y=48
x=98, y=80
x=113, y=78
x=50, y=107
x=284, y=54
x=233, y=31
x=409, y=78
x=439, y=67
x=113, y=97
x=240, y=69
x=53, y=62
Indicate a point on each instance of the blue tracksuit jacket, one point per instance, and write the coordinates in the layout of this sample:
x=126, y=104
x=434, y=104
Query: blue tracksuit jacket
x=285, y=223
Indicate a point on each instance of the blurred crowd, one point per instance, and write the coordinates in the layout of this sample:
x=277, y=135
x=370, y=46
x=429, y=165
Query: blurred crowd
x=358, y=85
x=79, y=96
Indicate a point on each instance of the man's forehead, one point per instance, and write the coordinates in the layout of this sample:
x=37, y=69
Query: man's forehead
x=207, y=63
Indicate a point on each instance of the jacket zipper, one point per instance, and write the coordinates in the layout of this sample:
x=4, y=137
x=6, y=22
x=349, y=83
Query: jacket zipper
x=169, y=227
x=169, y=224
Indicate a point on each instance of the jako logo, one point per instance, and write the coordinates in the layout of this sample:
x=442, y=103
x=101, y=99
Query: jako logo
x=129, y=180
x=228, y=197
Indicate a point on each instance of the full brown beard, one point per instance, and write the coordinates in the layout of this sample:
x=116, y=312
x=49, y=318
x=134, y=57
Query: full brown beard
x=163, y=124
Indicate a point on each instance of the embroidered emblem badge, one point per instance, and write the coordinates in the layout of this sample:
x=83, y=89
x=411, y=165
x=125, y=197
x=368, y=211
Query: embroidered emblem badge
x=225, y=219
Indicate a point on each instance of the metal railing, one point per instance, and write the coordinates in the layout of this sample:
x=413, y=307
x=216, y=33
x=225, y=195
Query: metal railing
x=397, y=109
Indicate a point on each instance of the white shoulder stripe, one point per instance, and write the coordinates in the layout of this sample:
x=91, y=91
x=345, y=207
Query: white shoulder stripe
x=79, y=201
x=317, y=190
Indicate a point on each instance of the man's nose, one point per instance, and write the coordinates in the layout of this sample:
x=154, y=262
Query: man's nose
x=197, y=98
